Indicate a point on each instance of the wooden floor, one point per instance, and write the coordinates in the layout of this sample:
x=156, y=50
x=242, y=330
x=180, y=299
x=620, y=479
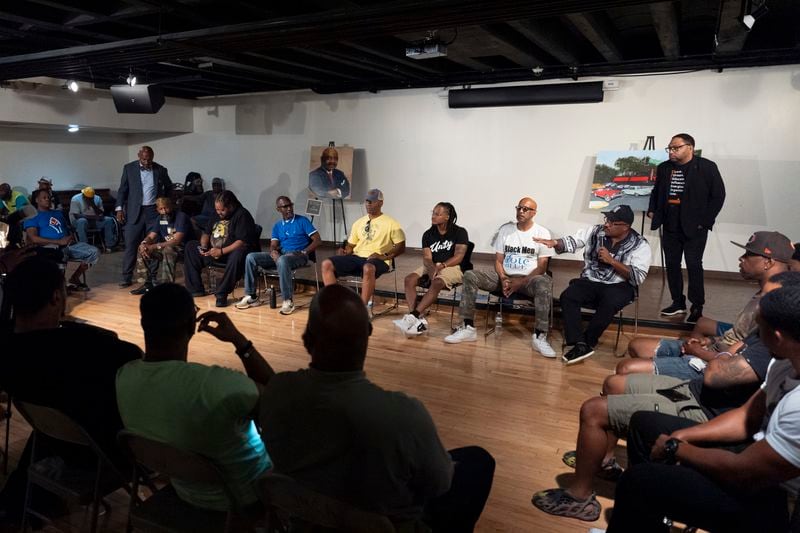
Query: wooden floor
x=496, y=393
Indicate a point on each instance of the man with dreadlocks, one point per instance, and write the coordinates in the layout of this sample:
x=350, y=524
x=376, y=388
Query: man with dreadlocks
x=444, y=259
x=520, y=266
x=616, y=261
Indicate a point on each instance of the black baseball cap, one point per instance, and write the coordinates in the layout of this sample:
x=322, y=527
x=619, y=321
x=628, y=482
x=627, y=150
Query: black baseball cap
x=621, y=213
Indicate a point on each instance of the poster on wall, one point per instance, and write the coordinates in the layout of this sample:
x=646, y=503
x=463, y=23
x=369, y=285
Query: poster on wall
x=624, y=177
x=331, y=171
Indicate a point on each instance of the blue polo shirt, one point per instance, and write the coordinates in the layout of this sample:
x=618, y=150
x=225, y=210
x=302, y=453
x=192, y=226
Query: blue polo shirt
x=293, y=234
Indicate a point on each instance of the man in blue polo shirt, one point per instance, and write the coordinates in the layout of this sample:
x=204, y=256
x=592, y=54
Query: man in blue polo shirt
x=293, y=238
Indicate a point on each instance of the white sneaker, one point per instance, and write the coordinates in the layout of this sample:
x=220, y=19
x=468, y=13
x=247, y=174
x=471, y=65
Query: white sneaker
x=247, y=301
x=406, y=322
x=287, y=307
x=540, y=344
x=419, y=327
x=463, y=334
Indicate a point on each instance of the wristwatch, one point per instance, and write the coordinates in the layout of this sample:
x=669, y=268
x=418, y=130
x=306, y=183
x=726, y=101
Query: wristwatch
x=670, y=449
x=244, y=353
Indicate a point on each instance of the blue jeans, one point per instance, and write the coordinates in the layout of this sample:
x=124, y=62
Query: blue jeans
x=286, y=263
x=105, y=223
x=83, y=252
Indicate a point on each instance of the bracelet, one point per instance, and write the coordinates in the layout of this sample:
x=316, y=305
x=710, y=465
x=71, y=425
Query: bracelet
x=245, y=351
x=729, y=354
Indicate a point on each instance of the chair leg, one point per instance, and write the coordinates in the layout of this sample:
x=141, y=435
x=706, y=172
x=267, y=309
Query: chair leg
x=7, y=415
x=619, y=331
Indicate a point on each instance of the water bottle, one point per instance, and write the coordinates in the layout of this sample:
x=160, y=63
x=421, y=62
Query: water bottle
x=273, y=302
x=498, y=322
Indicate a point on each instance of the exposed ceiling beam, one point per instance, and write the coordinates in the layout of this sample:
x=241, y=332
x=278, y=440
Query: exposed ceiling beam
x=518, y=48
x=27, y=21
x=596, y=30
x=398, y=57
x=360, y=65
x=547, y=39
x=732, y=33
x=665, y=20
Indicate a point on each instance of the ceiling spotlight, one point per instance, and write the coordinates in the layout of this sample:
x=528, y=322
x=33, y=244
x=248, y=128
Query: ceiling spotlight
x=756, y=12
x=131, y=79
x=73, y=128
x=72, y=85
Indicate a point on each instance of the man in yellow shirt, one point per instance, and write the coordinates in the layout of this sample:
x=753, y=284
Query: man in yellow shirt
x=375, y=239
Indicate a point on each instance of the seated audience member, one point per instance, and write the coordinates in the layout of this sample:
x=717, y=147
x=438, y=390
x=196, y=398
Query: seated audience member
x=327, y=181
x=375, y=239
x=86, y=211
x=49, y=231
x=293, y=238
x=794, y=262
x=60, y=364
x=207, y=200
x=725, y=474
x=12, y=211
x=193, y=185
x=520, y=266
x=766, y=255
x=444, y=247
x=162, y=244
x=47, y=184
x=232, y=235
x=616, y=261
x=204, y=409
x=726, y=383
x=339, y=434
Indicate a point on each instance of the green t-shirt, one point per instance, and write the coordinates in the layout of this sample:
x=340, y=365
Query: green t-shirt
x=199, y=408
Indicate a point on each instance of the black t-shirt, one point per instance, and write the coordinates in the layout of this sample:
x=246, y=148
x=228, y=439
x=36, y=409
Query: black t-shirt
x=443, y=247
x=677, y=186
x=239, y=227
x=716, y=401
x=72, y=368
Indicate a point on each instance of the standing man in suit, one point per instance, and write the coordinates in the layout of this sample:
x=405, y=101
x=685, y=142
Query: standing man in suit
x=142, y=182
x=687, y=197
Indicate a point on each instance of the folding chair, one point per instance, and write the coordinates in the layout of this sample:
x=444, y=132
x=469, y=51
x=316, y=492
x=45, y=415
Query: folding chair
x=356, y=281
x=267, y=273
x=164, y=511
x=516, y=302
x=77, y=485
x=290, y=503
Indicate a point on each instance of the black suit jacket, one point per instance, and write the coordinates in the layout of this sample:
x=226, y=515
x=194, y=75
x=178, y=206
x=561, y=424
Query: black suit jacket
x=703, y=196
x=129, y=194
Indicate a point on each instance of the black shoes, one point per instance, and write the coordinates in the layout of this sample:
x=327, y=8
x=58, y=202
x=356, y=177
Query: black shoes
x=125, y=284
x=147, y=286
x=578, y=353
x=676, y=308
x=695, y=315
x=222, y=301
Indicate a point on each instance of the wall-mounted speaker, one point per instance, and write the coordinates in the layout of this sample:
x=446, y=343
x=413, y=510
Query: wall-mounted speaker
x=558, y=93
x=137, y=99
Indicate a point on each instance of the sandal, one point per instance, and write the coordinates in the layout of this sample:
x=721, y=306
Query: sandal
x=560, y=503
x=610, y=470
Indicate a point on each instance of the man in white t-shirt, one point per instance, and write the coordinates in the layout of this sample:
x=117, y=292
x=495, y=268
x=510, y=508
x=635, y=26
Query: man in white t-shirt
x=520, y=267
x=725, y=488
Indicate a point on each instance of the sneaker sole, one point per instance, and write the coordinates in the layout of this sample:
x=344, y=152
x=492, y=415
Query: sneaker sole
x=577, y=359
x=459, y=341
x=286, y=312
x=549, y=356
x=673, y=313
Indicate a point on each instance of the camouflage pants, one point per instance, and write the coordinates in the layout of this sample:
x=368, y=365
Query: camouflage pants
x=149, y=268
x=538, y=288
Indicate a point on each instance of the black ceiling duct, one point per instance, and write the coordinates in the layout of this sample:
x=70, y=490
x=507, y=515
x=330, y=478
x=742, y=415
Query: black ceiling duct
x=559, y=93
x=137, y=98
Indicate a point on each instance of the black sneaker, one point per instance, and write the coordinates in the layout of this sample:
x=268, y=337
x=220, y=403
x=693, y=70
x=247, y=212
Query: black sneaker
x=676, y=308
x=695, y=315
x=222, y=301
x=578, y=353
x=143, y=289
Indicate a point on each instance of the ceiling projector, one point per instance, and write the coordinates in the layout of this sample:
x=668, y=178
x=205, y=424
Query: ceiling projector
x=426, y=50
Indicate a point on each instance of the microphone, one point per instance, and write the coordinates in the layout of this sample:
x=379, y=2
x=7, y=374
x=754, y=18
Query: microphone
x=601, y=241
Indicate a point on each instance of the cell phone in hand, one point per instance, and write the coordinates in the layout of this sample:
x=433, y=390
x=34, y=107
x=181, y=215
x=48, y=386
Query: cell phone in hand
x=673, y=395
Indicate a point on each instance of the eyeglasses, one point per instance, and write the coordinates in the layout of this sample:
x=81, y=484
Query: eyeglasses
x=674, y=149
x=286, y=206
x=607, y=222
x=524, y=209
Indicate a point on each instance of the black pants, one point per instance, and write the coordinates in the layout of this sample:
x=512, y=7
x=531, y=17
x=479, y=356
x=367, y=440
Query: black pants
x=677, y=245
x=194, y=263
x=458, y=509
x=606, y=299
x=648, y=491
x=134, y=234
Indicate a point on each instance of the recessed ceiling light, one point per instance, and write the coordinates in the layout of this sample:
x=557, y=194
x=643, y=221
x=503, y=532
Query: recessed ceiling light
x=72, y=85
x=73, y=128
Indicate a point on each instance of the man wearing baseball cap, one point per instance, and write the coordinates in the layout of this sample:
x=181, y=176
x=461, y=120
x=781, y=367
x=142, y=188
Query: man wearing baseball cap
x=616, y=261
x=375, y=240
x=86, y=212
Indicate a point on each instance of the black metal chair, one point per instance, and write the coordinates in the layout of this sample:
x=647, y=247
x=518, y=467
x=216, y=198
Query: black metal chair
x=75, y=484
x=357, y=281
x=267, y=273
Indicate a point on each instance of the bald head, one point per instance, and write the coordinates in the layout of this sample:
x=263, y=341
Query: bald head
x=338, y=330
x=526, y=210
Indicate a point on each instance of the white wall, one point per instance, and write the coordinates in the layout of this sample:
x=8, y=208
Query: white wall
x=419, y=152
x=483, y=160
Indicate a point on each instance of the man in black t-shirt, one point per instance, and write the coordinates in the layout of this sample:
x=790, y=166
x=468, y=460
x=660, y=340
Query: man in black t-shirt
x=231, y=236
x=686, y=199
x=444, y=258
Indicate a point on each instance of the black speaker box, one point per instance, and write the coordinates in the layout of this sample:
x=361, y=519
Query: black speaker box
x=558, y=93
x=137, y=99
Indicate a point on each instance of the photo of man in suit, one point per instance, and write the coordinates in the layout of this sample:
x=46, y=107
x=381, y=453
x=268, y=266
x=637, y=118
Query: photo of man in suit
x=142, y=182
x=327, y=181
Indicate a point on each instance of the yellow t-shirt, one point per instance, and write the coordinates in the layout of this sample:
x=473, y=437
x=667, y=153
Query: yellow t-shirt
x=384, y=232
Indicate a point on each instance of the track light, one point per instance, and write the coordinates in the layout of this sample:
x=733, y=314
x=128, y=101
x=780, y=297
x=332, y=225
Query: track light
x=72, y=85
x=73, y=128
x=755, y=13
x=131, y=79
